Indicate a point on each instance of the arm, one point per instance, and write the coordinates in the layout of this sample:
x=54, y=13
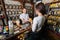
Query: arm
x=41, y=23
x=27, y=17
x=21, y=17
x=34, y=25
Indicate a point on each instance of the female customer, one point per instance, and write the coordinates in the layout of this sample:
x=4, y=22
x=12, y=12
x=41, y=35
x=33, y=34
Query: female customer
x=38, y=21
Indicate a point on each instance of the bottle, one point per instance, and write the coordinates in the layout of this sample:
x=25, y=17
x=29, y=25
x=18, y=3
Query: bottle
x=10, y=24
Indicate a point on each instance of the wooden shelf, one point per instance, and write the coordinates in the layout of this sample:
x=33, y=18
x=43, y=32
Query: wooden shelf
x=2, y=5
x=53, y=2
x=55, y=8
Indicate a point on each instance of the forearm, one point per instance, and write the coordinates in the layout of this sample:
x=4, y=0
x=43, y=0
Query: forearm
x=34, y=25
x=22, y=19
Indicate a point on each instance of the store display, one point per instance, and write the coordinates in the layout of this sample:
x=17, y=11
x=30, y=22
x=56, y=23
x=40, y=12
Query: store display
x=50, y=1
x=9, y=19
x=13, y=9
x=53, y=5
x=30, y=9
x=46, y=1
x=54, y=18
x=3, y=20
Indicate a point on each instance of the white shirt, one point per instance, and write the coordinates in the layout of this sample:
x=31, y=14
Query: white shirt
x=38, y=22
x=24, y=16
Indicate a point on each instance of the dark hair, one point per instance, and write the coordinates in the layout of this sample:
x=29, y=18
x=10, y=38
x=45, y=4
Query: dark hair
x=41, y=8
x=24, y=8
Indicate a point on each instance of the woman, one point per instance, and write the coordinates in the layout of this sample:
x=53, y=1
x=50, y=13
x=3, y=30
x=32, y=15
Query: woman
x=24, y=16
x=38, y=21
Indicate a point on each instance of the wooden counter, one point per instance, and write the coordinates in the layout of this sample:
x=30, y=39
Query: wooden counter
x=14, y=37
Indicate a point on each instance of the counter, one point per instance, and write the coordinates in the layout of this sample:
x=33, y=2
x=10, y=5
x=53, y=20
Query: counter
x=15, y=36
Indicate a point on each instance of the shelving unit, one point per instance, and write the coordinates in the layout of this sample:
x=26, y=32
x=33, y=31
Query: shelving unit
x=3, y=19
x=53, y=2
x=13, y=12
x=29, y=5
x=13, y=9
x=53, y=19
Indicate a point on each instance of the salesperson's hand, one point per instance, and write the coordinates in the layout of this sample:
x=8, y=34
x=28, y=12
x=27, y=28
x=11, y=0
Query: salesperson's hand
x=25, y=21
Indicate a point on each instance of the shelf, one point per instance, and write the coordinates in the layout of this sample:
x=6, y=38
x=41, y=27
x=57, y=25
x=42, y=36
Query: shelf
x=55, y=8
x=53, y=2
x=13, y=9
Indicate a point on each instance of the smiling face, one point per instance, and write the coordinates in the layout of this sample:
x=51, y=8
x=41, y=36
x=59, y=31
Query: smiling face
x=24, y=10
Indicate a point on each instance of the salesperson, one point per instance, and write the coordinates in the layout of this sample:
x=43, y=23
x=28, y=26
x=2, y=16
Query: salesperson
x=38, y=21
x=24, y=16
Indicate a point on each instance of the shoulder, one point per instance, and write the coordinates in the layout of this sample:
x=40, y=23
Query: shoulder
x=35, y=19
x=27, y=14
x=21, y=14
x=41, y=17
